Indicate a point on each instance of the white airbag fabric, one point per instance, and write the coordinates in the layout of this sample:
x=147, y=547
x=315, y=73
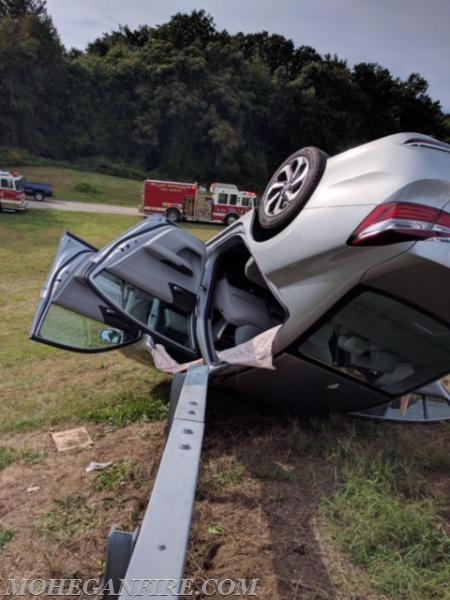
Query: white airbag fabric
x=256, y=352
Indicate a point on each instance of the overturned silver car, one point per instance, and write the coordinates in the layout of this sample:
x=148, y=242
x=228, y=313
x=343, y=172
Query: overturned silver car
x=333, y=296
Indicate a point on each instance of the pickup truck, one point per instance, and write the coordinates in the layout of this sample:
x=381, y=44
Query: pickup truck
x=40, y=191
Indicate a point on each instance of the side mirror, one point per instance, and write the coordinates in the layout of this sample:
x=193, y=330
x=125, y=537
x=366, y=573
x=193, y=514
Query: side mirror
x=111, y=336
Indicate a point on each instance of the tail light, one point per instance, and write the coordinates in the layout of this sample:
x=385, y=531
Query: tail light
x=395, y=222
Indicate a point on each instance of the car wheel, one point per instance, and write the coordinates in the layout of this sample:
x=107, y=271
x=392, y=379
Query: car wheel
x=291, y=187
x=230, y=219
x=173, y=215
x=118, y=554
x=38, y=196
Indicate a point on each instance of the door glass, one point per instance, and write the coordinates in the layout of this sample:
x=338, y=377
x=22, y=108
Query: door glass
x=412, y=408
x=69, y=329
x=153, y=314
x=382, y=342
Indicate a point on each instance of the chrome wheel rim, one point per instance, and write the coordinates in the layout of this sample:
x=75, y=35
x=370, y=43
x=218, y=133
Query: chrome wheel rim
x=286, y=186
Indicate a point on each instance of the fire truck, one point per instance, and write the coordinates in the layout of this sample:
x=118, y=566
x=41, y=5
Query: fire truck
x=221, y=203
x=12, y=194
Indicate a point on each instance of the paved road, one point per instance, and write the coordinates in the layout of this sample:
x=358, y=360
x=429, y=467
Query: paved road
x=85, y=207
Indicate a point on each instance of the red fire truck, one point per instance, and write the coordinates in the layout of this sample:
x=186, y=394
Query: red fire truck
x=221, y=203
x=12, y=195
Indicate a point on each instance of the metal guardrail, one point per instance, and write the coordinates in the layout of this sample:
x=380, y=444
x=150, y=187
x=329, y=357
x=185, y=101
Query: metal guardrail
x=161, y=546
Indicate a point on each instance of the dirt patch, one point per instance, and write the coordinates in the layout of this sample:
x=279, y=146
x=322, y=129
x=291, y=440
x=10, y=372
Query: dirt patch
x=61, y=529
x=257, y=514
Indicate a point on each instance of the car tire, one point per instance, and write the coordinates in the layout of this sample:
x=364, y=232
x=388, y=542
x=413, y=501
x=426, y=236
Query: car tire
x=39, y=196
x=231, y=218
x=118, y=554
x=173, y=215
x=290, y=188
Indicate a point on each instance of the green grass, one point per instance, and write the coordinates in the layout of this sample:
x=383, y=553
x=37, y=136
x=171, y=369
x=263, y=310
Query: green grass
x=6, y=535
x=37, y=381
x=384, y=516
x=70, y=517
x=129, y=408
x=114, y=476
x=229, y=476
x=33, y=457
x=6, y=457
x=80, y=186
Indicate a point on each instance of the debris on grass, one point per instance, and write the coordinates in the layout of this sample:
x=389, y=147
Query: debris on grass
x=96, y=466
x=114, y=476
x=72, y=439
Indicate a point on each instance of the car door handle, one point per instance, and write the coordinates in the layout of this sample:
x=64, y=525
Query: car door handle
x=169, y=257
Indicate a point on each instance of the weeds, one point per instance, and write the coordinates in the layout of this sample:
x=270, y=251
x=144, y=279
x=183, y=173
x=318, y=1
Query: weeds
x=6, y=535
x=128, y=410
x=114, y=476
x=229, y=477
x=379, y=517
x=33, y=457
x=217, y=529
x=6, y=457
x=70, y=517
x=275, y=472
x=86, y=188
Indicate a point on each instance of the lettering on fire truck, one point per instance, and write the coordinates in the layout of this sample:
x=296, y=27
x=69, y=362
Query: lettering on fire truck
x=221, y=203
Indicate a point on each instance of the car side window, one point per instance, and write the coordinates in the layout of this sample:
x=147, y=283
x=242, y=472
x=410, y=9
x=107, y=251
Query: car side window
x=382, y=342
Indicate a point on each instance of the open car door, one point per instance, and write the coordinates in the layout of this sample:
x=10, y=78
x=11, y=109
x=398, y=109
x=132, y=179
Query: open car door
x=145, y=281
x=151, y=276
x=70, y=314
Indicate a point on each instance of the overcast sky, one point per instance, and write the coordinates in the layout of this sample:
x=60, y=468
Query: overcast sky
x=403, y=35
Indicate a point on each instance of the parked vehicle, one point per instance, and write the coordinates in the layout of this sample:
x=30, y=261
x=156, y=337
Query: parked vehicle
x=334, y=295
x=222, y=203
x=39, y=191
x=12, y=196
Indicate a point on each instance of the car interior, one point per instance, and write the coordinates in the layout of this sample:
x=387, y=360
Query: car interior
x=242, y=305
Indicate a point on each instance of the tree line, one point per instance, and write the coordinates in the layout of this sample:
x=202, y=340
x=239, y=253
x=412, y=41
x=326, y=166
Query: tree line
x=184, y=100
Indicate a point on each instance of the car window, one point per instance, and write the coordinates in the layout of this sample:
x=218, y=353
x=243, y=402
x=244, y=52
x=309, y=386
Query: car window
x=410, y=408
x=152, y=313
x=66, y=328
x=6, y=184
x=381, y=341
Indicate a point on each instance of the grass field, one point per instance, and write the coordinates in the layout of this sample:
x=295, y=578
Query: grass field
x=316, y=509
x=81, y=186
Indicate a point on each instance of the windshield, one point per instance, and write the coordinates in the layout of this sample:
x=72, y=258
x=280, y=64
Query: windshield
x=19, y=186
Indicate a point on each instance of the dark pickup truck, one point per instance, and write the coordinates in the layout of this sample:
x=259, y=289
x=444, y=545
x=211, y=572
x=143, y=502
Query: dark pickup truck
x=40, y=191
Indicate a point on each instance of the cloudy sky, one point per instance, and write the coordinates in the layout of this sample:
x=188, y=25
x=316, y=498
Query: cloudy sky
x=403, y=35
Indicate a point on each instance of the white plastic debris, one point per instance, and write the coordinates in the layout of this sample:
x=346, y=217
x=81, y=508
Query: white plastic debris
x=33, y=488
x=96, y=466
